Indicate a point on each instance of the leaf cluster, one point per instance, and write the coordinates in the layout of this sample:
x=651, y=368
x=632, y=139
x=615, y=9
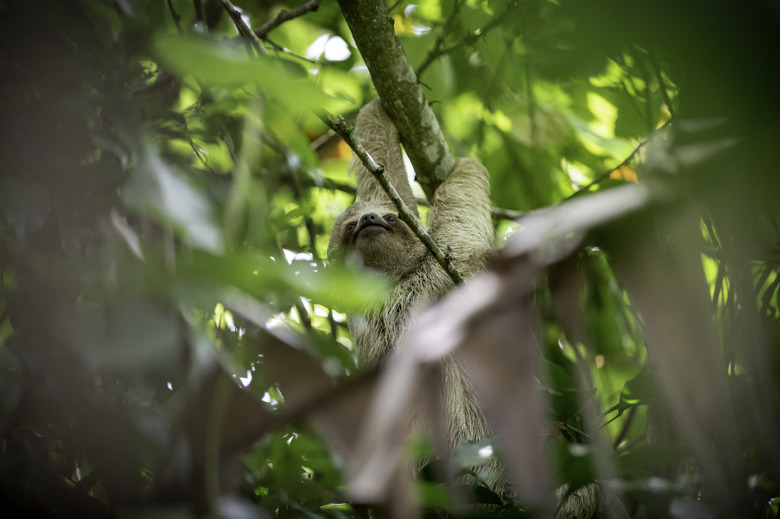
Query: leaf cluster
x=173, y=343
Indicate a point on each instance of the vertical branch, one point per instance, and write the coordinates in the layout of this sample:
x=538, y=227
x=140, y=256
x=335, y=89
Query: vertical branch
x=402, y=96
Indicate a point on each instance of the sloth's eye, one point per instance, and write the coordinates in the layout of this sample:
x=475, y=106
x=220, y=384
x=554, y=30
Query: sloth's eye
x=390, y=218
x=351, y=227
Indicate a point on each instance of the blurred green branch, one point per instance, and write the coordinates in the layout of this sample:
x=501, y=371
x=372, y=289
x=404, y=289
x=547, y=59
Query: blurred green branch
x=285, y=15
x=437, y=51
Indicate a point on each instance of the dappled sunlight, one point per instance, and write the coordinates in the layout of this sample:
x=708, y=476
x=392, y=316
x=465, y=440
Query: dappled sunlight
x=175, y=342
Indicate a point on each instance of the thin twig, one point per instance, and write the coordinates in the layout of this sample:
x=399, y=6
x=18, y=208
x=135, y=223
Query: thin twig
x=631, y=444
x=624, y=428
x=284, y=15
x=304, y=316
x=440, y=39
x=625, y=162
x=500, y=213
x=290, y=53
x=176, y=17
x=436, y=52
x=311, y=228
x=340, y=126
x=199, y=154
x=243, y=29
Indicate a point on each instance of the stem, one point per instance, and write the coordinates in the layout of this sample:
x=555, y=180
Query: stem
x=469, y=39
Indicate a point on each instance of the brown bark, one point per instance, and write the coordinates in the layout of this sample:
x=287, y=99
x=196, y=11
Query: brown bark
x=401, y=94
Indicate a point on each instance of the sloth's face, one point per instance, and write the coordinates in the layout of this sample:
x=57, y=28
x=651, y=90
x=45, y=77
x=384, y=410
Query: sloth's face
x=371, y=234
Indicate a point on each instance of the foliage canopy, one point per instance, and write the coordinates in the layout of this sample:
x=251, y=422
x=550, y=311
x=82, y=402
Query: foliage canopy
x=172, y=342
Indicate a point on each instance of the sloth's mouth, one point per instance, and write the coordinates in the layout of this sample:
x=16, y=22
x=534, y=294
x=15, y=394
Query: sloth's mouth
x=371, y=228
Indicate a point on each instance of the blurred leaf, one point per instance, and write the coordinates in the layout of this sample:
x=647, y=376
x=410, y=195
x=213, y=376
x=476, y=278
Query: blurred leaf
x=158, y=191
x=574, y=463
x=433, y=495
x=340, y=288
x=135, y=351
x=643, y=389
x=24, y=206
x=647, y=460
x=342, y=87
x=127, y=337
x=562, y=395
x=219, y=64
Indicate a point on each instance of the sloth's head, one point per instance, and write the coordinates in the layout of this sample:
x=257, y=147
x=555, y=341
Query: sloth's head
x=371, y=234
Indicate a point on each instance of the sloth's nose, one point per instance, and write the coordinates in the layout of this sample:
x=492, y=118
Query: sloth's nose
x=370, y=218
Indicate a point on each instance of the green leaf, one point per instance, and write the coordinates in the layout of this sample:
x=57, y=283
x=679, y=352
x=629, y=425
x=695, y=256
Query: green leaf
x=433, y=495
x=343, y=88
x=218, y=64
x=266, y=278
x=340, y=288
x=574, y=464
x=160, y=193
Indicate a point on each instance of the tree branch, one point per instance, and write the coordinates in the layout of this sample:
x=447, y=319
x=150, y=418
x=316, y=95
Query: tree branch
x=340, y=126
x=401, y=94
x=243, y=28
x=287, y=51
x=285, y=15
x=437, y=51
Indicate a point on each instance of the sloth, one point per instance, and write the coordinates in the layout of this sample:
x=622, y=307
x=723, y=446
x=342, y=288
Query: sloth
x=370, y=234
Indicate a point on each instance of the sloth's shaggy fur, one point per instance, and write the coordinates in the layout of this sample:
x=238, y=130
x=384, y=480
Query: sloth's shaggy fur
x=370, y=234
x=459, y=222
